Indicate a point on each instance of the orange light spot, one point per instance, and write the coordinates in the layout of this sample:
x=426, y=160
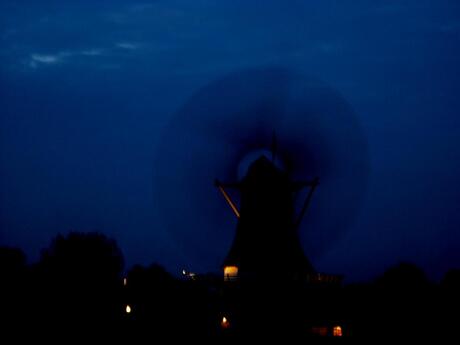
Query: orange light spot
x=225, y=323
x=230, y=273
x=337, y=331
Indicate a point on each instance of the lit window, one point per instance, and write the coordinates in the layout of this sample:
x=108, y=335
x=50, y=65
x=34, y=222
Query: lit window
x=125, y=281
x=230, y=273
x=337, y=331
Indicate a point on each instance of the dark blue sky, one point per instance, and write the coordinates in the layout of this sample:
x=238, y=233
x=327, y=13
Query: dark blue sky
x=87, y=93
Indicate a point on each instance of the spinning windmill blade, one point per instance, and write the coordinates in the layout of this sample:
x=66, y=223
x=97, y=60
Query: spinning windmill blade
x=230, y=121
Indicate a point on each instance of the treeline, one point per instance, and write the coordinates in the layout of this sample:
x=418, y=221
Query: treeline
x=77, y=290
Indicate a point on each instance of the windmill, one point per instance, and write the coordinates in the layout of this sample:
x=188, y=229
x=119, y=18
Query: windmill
x=221, y=131
x=266, y=242
x=225, y=130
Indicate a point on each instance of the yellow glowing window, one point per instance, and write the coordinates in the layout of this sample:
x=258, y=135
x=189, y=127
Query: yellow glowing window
x=230, y=273
x=225, y=323
x=337, y=331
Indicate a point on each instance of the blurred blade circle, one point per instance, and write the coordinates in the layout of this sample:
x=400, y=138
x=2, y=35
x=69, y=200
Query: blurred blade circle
x=317, y=134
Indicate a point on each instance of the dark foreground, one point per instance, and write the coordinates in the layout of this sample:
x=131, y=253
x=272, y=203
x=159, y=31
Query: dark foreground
x=77, y=292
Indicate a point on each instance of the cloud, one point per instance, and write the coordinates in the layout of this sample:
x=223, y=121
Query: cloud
x=45, y=59
x=127, y=45
x=92, y=52
x=36, y=59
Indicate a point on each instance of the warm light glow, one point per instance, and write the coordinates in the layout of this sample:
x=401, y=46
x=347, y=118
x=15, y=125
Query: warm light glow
x=224, y=323
x=230, y=202
x=125, y=281
x=337, y=331
x=230, y=273
x=128, y=309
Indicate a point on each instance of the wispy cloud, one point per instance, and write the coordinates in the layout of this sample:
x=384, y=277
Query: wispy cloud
x=37, y=60
x=92, y=52
x=46, y=59
x=127, y=45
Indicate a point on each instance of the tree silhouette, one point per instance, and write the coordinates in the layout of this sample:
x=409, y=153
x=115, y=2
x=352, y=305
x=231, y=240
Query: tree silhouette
x=79, y=280
x=405, y=275
x=12, y=261
x=13, y=275
x=164, y=306
x=451, y=280
x=85, y=259
x=404, y=303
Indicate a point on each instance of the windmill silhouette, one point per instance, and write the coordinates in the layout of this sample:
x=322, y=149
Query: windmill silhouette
x=266, y=241
x=219, y=133
x=225, y=130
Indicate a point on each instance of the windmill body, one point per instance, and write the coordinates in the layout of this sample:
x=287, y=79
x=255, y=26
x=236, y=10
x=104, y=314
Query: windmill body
x=266, y=243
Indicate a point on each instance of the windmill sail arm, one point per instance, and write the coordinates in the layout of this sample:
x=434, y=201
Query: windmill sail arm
x=306, y=203
x=228, y=198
